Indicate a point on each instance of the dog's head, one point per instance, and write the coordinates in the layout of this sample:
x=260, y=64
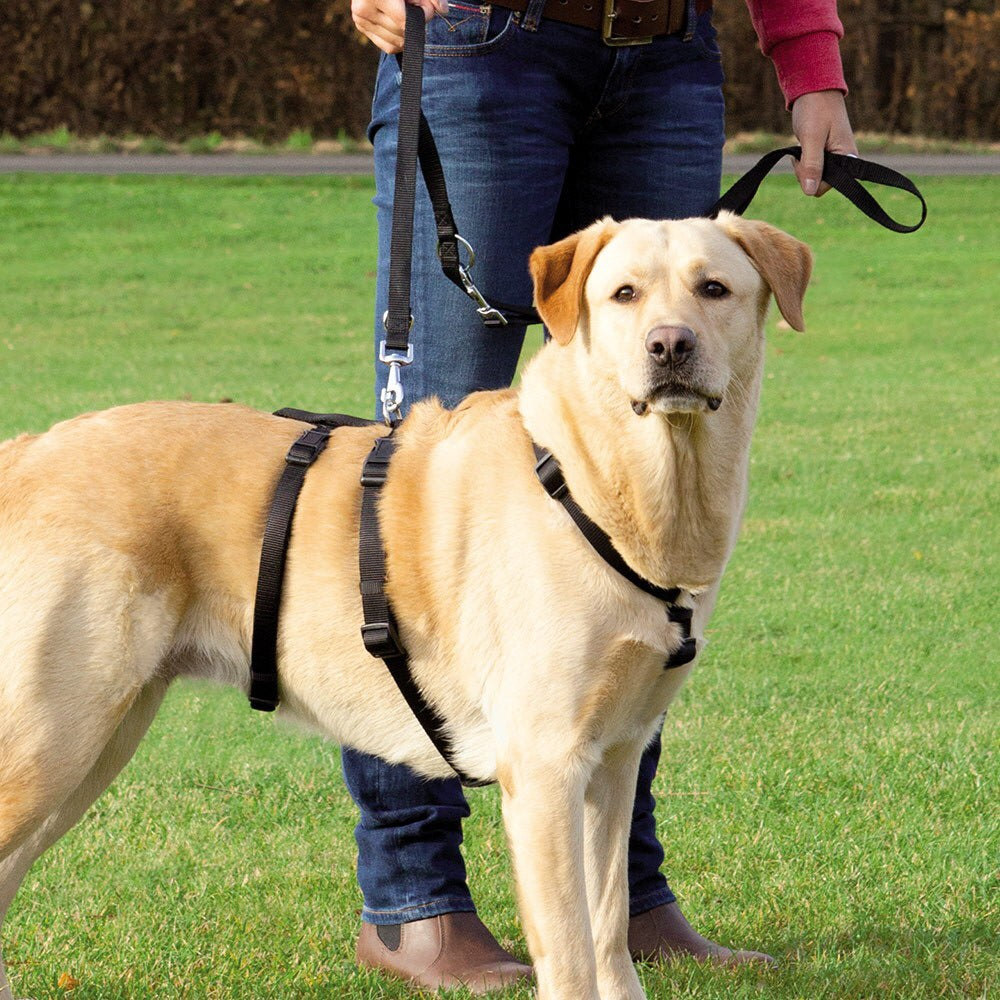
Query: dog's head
x=675, y=309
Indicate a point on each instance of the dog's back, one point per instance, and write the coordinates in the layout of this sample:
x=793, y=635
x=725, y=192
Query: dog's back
x=101, y=586
x=10, y=453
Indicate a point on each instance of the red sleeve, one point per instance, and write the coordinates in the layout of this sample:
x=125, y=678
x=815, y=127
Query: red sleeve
x=802, y=39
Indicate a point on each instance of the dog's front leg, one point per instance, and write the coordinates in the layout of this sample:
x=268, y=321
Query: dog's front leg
x=543, y=814
x=607, y=815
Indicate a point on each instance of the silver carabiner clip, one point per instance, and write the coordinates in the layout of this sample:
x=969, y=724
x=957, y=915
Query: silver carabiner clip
x=392, y=394
x=485, y=310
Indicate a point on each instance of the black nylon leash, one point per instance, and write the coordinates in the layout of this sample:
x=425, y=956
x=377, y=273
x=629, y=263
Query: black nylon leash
x=395, y=350
x=398, y=318
x=416, y=145
x=842, y=173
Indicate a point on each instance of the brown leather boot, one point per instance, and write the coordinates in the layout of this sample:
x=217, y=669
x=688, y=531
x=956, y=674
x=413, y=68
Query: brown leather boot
x=454, y=949
x=664, y=933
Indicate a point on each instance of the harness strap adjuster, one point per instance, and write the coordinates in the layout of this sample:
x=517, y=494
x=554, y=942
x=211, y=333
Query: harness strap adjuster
x=685, y=653
x=381, y=639
x=376, y=467
x=681, y=615
x=307, y=448
x=551, y=477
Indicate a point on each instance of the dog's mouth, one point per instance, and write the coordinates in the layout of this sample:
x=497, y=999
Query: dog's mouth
x=677, y=397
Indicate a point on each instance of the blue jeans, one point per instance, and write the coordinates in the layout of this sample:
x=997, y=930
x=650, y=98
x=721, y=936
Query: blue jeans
x=541, y=129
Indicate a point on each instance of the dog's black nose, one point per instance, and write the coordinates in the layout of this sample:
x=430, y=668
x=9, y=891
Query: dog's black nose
x=671, y=344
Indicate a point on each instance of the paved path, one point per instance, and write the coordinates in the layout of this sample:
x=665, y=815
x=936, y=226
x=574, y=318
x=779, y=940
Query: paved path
x=290, y=164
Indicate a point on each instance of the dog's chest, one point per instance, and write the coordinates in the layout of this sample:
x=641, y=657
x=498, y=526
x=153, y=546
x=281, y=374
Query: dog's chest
x=630, y=691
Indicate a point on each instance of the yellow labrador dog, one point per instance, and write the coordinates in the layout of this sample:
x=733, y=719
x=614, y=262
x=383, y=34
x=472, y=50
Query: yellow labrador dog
x=130, y=539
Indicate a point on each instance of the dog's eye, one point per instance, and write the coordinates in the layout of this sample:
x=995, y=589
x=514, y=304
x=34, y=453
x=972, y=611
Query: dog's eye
x=713, y=290
x=625, y=294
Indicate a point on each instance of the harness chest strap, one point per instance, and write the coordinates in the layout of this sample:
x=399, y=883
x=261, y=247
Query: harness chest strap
x=379, y=632
x=551, y=477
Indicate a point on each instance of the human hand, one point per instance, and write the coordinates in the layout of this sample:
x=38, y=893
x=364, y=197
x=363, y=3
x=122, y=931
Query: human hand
x=820, y=123
x=384, y=21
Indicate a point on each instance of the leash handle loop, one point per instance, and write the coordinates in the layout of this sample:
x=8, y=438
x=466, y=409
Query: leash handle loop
x=842, y=173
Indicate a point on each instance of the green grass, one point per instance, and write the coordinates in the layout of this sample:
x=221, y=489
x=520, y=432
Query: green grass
x=829, y=784
x=61, y=140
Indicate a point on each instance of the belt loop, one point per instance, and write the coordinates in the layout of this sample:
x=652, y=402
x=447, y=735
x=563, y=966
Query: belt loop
x=533, y=15
x=691, y=20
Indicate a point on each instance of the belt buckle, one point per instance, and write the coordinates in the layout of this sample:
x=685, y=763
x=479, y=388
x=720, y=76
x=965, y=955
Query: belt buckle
x=608, y=25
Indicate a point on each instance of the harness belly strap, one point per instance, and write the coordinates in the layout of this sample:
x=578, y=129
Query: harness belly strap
x=271, y=574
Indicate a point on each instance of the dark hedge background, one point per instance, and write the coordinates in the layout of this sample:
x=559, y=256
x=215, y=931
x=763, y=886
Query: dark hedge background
x=262, y=68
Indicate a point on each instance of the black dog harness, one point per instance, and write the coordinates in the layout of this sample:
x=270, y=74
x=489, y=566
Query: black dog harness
x=380, y=631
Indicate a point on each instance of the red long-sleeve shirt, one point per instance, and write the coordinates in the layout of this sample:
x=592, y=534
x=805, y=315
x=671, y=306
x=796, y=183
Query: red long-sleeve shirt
x=802, y=39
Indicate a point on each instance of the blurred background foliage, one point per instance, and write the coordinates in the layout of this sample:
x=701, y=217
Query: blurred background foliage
x=268, y=68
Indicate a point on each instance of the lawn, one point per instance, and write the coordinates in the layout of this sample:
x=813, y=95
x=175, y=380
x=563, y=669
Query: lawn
x=829, y=783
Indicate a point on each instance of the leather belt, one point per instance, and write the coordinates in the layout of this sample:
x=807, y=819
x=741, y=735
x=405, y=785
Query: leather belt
x=621, y=22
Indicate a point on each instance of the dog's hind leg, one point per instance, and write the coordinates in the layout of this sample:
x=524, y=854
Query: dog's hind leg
x=116, y=753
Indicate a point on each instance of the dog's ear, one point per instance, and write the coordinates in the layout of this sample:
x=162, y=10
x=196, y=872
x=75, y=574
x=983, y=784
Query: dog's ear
x=783, y=262
x=560, y=271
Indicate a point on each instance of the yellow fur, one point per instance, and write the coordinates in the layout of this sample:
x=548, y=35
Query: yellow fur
x=130, y=540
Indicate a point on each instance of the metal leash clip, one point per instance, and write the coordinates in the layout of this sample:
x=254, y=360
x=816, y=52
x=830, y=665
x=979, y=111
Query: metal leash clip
x=392, y=394
x=490, y=316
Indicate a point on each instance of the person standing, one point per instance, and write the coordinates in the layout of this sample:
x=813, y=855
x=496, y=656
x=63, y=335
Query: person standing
x=544, y=125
